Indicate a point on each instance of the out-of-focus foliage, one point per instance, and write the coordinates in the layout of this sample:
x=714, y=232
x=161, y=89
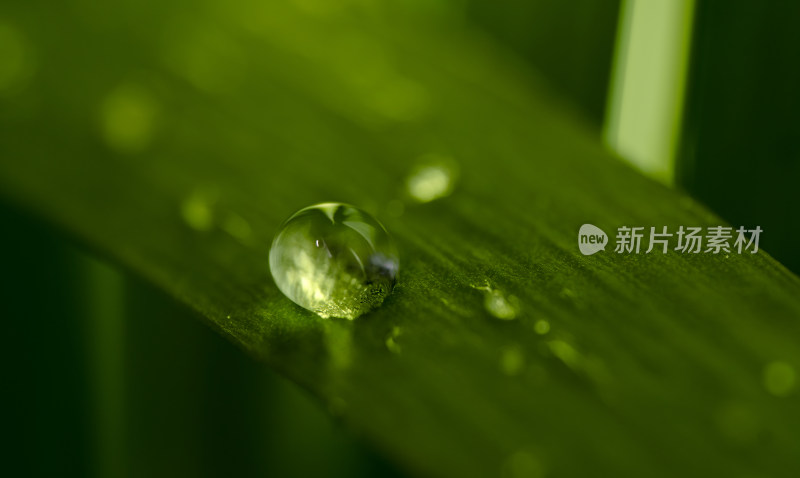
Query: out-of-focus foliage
x=112, y=378
x=740, y=152
x=571, y=43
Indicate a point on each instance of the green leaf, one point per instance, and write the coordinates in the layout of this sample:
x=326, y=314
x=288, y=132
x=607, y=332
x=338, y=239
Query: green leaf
x=179, y=149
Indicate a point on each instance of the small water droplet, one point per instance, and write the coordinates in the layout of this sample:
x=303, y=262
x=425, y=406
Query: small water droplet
x=335, y=260
x=779, y=378
x=541, y=327
x=391, y=340
x=433, y=178
x=499, y=304
x=512, y=360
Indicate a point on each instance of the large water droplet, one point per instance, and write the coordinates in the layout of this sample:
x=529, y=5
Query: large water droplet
x=334, y=259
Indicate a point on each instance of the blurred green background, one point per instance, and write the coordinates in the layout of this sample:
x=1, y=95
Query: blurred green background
x=96, y=385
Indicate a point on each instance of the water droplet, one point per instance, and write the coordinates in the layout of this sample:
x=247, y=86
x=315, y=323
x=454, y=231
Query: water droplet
x=391, y=340
x=779, y=378
x=541, y=327
x=512, y=360
x=433, y=178
x=334, y=259
x=498, y=304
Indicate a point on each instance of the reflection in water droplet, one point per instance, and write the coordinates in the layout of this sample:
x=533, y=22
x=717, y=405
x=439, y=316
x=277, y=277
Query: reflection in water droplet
x=391, y=340
x=779, y=378
x=541, y=327
x=512, y=360
x=335, y=260
x=433, y=178
x=16, y=59
x=128, y=116
x=197, y=209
